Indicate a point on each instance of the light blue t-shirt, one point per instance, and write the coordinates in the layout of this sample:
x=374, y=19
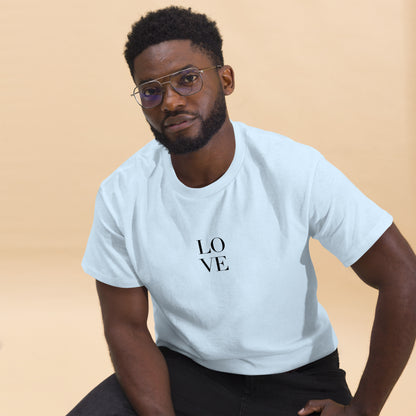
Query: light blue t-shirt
x=228, y=265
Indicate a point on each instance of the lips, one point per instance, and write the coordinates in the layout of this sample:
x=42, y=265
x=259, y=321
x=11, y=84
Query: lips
x=179, y=122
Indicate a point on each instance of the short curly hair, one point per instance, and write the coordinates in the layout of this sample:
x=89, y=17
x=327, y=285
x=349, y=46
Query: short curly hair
x=173, y=23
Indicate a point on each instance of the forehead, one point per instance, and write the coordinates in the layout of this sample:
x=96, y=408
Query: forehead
x=167, y=57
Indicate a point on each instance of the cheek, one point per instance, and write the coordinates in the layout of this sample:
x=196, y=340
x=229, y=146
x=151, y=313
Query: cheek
x=216, y=88
x=151, y=119
x=207, y=102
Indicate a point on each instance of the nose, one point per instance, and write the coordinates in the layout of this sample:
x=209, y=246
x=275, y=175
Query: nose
x=171, y=100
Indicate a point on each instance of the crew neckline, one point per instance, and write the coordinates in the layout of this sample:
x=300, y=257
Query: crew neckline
x=213, y=187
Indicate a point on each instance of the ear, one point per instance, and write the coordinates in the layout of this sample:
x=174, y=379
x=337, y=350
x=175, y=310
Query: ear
x=226, y=74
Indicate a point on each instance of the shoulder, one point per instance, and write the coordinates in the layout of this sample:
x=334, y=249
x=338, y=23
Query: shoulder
x=120, y=190
x=138, y=167
x=278, y=152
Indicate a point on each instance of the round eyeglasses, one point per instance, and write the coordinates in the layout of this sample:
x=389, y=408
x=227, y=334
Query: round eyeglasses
x=188, y=81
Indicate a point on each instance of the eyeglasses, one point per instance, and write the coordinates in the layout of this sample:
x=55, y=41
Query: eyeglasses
x=185, y=82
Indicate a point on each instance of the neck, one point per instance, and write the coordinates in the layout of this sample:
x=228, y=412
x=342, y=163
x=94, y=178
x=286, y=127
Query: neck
x=206, y=165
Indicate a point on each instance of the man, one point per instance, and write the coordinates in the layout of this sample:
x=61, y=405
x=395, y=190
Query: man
x=213, y=219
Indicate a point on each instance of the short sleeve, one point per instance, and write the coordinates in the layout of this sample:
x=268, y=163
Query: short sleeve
x=342, y=218
x=106, y=257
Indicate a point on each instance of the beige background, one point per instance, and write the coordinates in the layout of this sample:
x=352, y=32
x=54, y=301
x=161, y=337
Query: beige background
x=338, y=75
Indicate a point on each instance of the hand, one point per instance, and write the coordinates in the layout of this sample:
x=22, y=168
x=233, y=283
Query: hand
x=327, y=408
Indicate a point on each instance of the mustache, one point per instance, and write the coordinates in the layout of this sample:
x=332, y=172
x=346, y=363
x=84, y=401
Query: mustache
x=178, y=113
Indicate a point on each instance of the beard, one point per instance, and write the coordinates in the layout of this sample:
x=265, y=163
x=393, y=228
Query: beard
x=184, y=144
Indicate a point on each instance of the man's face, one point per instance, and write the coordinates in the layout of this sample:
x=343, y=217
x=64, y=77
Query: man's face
x=182, y=124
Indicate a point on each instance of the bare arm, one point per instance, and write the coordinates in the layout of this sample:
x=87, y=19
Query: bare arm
x=390, y=267
x=139, y=365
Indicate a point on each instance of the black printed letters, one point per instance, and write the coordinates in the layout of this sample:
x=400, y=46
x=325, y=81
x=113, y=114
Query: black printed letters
x=213, y=262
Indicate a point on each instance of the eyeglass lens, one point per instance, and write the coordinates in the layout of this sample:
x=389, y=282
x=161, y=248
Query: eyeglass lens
x=186, y=82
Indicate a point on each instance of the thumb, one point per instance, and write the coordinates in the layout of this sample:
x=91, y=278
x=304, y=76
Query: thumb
x=314, y=406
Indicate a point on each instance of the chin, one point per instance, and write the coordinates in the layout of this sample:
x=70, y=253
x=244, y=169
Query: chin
x=182, y=144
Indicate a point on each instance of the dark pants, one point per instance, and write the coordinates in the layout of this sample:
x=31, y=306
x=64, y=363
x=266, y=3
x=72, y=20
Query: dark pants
x=198, y=391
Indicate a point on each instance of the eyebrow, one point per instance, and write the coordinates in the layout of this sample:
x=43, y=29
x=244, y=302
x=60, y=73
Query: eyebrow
x=164, y=76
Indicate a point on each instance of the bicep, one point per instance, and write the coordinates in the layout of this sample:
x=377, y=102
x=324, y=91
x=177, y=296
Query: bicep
x=121, y=306
x=390, y=261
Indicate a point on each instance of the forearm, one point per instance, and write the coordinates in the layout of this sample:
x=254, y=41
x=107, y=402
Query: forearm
x=392, y=340
x=389, y=266
x=142, y=372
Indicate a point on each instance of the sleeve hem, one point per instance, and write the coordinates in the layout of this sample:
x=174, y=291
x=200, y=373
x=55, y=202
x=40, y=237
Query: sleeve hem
x=111, y=281
x=373, y=236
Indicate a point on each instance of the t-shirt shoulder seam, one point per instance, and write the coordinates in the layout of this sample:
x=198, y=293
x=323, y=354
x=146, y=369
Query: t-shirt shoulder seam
x=319, y=159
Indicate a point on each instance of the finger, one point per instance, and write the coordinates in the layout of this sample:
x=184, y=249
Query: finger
x=313, y=406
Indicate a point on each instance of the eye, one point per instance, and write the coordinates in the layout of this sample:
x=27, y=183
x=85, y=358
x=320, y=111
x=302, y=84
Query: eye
x=150, y=91
x=189, y=79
